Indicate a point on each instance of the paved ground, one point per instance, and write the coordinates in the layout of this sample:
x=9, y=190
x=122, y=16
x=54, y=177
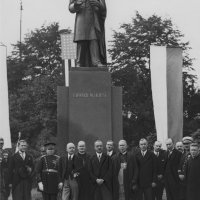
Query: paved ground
x=37, y=195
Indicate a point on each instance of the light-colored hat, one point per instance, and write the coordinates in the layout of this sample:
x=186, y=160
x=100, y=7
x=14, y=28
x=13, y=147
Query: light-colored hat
x=187, y=139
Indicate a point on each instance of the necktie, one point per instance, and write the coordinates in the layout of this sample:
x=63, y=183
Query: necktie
x=99, y=157
x=157, y=154
x=22, y=155
x=70, y=158
x=143, y=154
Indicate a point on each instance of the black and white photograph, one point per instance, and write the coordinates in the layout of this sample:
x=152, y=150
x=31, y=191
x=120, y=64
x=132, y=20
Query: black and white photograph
x=99, y=100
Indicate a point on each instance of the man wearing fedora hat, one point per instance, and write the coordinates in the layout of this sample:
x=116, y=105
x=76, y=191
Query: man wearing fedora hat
x=47, y=173
x=184, y=159
x=20, y=169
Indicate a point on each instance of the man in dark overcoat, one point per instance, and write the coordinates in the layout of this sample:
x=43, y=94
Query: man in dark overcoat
x=193, y=173
x=100, y=171
x=125, y=173
x=69, y=169
x=171, y=176
x=20, y=168
x=89, y=32
x=159, y=153
x=147, y=165
x=84, y=175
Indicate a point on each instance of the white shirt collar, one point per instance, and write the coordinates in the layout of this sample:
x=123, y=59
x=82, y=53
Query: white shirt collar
x=81, y=153
x=109, y=152
x=99, y=154
x=156, y=153
x=144, y=152
x=72, y=155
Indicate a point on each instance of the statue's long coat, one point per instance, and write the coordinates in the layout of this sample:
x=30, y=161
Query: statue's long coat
x=89, y=24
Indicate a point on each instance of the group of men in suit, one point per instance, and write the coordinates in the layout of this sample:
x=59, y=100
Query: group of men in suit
x=109, y=176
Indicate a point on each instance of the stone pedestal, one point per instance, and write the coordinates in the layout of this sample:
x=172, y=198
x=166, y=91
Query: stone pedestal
x=89, y=109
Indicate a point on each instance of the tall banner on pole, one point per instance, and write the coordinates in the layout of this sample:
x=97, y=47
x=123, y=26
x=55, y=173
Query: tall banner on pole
x=167, y=91
x=68, y=53
x=4, y=110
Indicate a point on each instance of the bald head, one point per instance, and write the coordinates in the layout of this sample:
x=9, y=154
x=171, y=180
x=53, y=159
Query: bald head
x=169, y=144
x=122, y=146
x=70, y=148
x=157, y=146
x=179, y=146
x=81, y=147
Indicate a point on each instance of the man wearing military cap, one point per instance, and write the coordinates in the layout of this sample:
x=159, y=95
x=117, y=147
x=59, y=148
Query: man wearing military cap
x=20, y=170
x=181, y=171
x=47, y=172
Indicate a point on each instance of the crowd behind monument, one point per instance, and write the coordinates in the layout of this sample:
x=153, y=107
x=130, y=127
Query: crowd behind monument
x=106, y=175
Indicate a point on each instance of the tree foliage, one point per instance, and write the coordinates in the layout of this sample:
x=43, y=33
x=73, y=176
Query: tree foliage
x=33, y=82
x=130, y=68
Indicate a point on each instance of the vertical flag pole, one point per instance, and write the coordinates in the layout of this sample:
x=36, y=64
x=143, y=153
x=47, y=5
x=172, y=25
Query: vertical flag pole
x=21, y=30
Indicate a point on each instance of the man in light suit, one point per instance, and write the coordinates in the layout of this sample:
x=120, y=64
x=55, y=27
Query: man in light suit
x=100, y=171
x=20, y=169
x=69, y=169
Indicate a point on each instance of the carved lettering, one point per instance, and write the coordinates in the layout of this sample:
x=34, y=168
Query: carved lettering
x=89, y=95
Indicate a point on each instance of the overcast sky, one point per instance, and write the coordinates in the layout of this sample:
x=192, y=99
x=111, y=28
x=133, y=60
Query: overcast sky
x=185, y=15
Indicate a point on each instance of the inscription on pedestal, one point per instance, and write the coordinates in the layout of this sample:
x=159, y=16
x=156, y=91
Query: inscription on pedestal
x=89, y=95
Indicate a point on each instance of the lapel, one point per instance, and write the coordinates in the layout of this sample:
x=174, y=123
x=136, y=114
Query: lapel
x=96, y=159
x=146, y=157
x=128, y=157
x=65, y=161
x=171, y=158
x=103, y=157
x=19, y=158
x=27, y=157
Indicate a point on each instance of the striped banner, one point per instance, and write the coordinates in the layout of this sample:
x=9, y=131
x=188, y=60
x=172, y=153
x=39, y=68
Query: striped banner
x=167, y=92
x=4, y=110
x=68, y=53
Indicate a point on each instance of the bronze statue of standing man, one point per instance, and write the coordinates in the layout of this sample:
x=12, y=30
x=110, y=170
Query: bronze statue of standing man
x=89, y=32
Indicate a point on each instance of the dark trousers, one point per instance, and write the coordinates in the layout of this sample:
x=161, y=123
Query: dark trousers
x=88, y=53
x=22, y=190
x=147, y=192
x=49, y=196
x=7, y=188
x=183, y=191
x=102, y=193
x=172, y=187
x=158, y=191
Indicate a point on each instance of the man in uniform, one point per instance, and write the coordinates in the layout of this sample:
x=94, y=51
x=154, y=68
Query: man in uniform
x=158, y=190
x=20, y=170
x=84, y=175
x=89, y=32
x=181, y=171
x=100, y=170
x=110, y=147
x=125, y=173
x=70, y=167
x=47, y=170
